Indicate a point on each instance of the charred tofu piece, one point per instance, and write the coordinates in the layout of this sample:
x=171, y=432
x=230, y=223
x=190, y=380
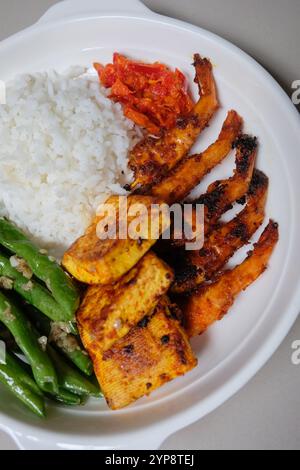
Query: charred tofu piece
x=152, y=354
x=107, y=313
x=192, y=169
x=153, y=158
x=211, y=302
x=95, y=260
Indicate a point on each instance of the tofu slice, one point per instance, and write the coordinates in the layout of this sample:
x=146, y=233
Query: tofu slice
x=150, y=355
x=94, y=261
x=108, y=312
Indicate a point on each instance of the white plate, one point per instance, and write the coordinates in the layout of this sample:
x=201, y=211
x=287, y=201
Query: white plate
x=83, y=31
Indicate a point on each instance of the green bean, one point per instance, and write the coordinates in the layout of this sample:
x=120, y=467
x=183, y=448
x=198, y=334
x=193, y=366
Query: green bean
x=32, y=291
x=10, y=377
x=74, y=352
x=48, y=271
x=79, y=358
x=42, y=367
x=70, y=379
x=24, y=374
x=67, y=398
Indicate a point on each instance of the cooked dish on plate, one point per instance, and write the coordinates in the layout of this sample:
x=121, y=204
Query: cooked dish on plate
x=83, y=315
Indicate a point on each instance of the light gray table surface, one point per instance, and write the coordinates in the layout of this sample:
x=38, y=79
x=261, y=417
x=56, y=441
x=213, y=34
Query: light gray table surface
x=266, y=413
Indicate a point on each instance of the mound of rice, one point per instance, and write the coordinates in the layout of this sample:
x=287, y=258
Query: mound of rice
x=64, y=148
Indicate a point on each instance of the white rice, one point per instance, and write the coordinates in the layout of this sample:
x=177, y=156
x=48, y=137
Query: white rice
x=64, y=149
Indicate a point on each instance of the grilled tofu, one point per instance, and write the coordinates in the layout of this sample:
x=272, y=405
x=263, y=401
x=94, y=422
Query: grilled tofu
x=107, y=313
x=93, y=260
x=211, y=302
x=191, y=170
x=153, y=158
x=150, y=355
x=225, y=240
